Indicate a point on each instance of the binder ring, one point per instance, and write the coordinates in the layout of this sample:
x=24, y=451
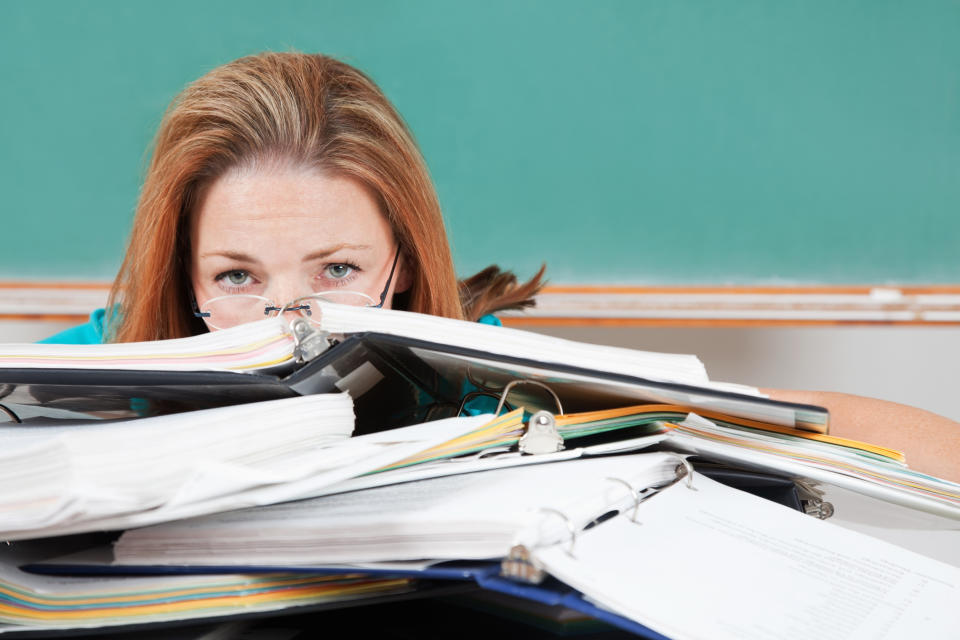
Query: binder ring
x=570, y=527
x=10, y=413
x=485, y=386
x=633, y=494
x=685, y=470
x=467, y=397
x=513, y=383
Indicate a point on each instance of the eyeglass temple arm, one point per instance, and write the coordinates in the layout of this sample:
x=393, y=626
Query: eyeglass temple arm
x=386, y=287
x=196, y=310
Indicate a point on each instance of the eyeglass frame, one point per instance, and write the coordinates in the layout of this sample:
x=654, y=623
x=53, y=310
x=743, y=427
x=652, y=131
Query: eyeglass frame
x=268, y=308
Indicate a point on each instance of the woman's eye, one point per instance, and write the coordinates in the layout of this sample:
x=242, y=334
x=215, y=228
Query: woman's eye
x=235, y=278
x=339, y=271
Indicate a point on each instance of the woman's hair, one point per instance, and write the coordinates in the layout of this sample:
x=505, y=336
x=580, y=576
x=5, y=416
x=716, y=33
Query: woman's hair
x=305, y=110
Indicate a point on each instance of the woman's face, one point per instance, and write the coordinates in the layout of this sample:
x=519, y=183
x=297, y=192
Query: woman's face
x=283, y=233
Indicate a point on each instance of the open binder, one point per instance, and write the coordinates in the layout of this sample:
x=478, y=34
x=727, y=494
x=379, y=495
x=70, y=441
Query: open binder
x=391, y=362
x=584, y=500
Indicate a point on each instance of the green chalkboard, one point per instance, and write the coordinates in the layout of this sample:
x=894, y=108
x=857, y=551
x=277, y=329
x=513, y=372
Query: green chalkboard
x=621, y=142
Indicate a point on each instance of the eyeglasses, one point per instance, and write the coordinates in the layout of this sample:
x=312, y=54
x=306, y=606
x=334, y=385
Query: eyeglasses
x=231, y=310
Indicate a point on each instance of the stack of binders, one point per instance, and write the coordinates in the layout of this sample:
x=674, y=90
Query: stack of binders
x=363, y=460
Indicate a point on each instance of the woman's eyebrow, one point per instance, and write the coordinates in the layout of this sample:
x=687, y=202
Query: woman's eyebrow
x=316, y=255
x=231, y=255
x=323, y=253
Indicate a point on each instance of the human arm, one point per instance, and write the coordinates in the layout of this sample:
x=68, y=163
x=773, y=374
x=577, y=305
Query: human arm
x=930, y=441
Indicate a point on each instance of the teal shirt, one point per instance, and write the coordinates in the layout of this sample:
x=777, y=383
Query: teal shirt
x=92, y=331
x=89, y=333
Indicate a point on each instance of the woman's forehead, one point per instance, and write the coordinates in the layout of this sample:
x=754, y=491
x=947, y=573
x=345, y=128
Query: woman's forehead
x=292, y=206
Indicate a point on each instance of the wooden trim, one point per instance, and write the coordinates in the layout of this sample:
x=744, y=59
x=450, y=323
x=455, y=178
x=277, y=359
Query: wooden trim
x=612, y=306
x=520, y=322
x=99, y=286
x=933, y=305
x=64, y=302
x=736, y=289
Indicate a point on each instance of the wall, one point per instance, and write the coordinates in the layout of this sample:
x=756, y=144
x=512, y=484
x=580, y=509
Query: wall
x=622, y=141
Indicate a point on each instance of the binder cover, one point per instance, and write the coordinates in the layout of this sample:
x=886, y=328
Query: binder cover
x=394, y=380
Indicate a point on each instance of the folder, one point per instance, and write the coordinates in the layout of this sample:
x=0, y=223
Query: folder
x=884, y=479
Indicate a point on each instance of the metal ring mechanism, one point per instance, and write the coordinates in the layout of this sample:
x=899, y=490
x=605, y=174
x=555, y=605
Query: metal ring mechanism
x=685, y=470
x=467, y=397
x=570, y=527
x=9, y=412
x=633, y=494
x=514, y=383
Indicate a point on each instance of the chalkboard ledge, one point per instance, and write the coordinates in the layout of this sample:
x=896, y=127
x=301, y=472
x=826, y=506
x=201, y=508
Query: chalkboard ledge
x=609, y=305
x=741, y=306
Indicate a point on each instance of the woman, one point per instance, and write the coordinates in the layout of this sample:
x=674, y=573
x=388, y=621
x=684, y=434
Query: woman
x=292, y=139
x=286, y=174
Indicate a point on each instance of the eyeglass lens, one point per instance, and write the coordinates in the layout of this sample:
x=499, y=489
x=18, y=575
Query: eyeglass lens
x=232, y=310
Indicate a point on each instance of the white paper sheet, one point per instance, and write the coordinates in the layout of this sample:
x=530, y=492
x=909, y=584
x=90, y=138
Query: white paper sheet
x=720, y=564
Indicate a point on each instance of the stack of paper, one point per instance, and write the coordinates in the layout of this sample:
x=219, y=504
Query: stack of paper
x=247, y=347
x=860, y=470
x=632, y=427
x=112, y=475
x=61, y=476
x=34, y=602
x=741, y=429
x=472, y=516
